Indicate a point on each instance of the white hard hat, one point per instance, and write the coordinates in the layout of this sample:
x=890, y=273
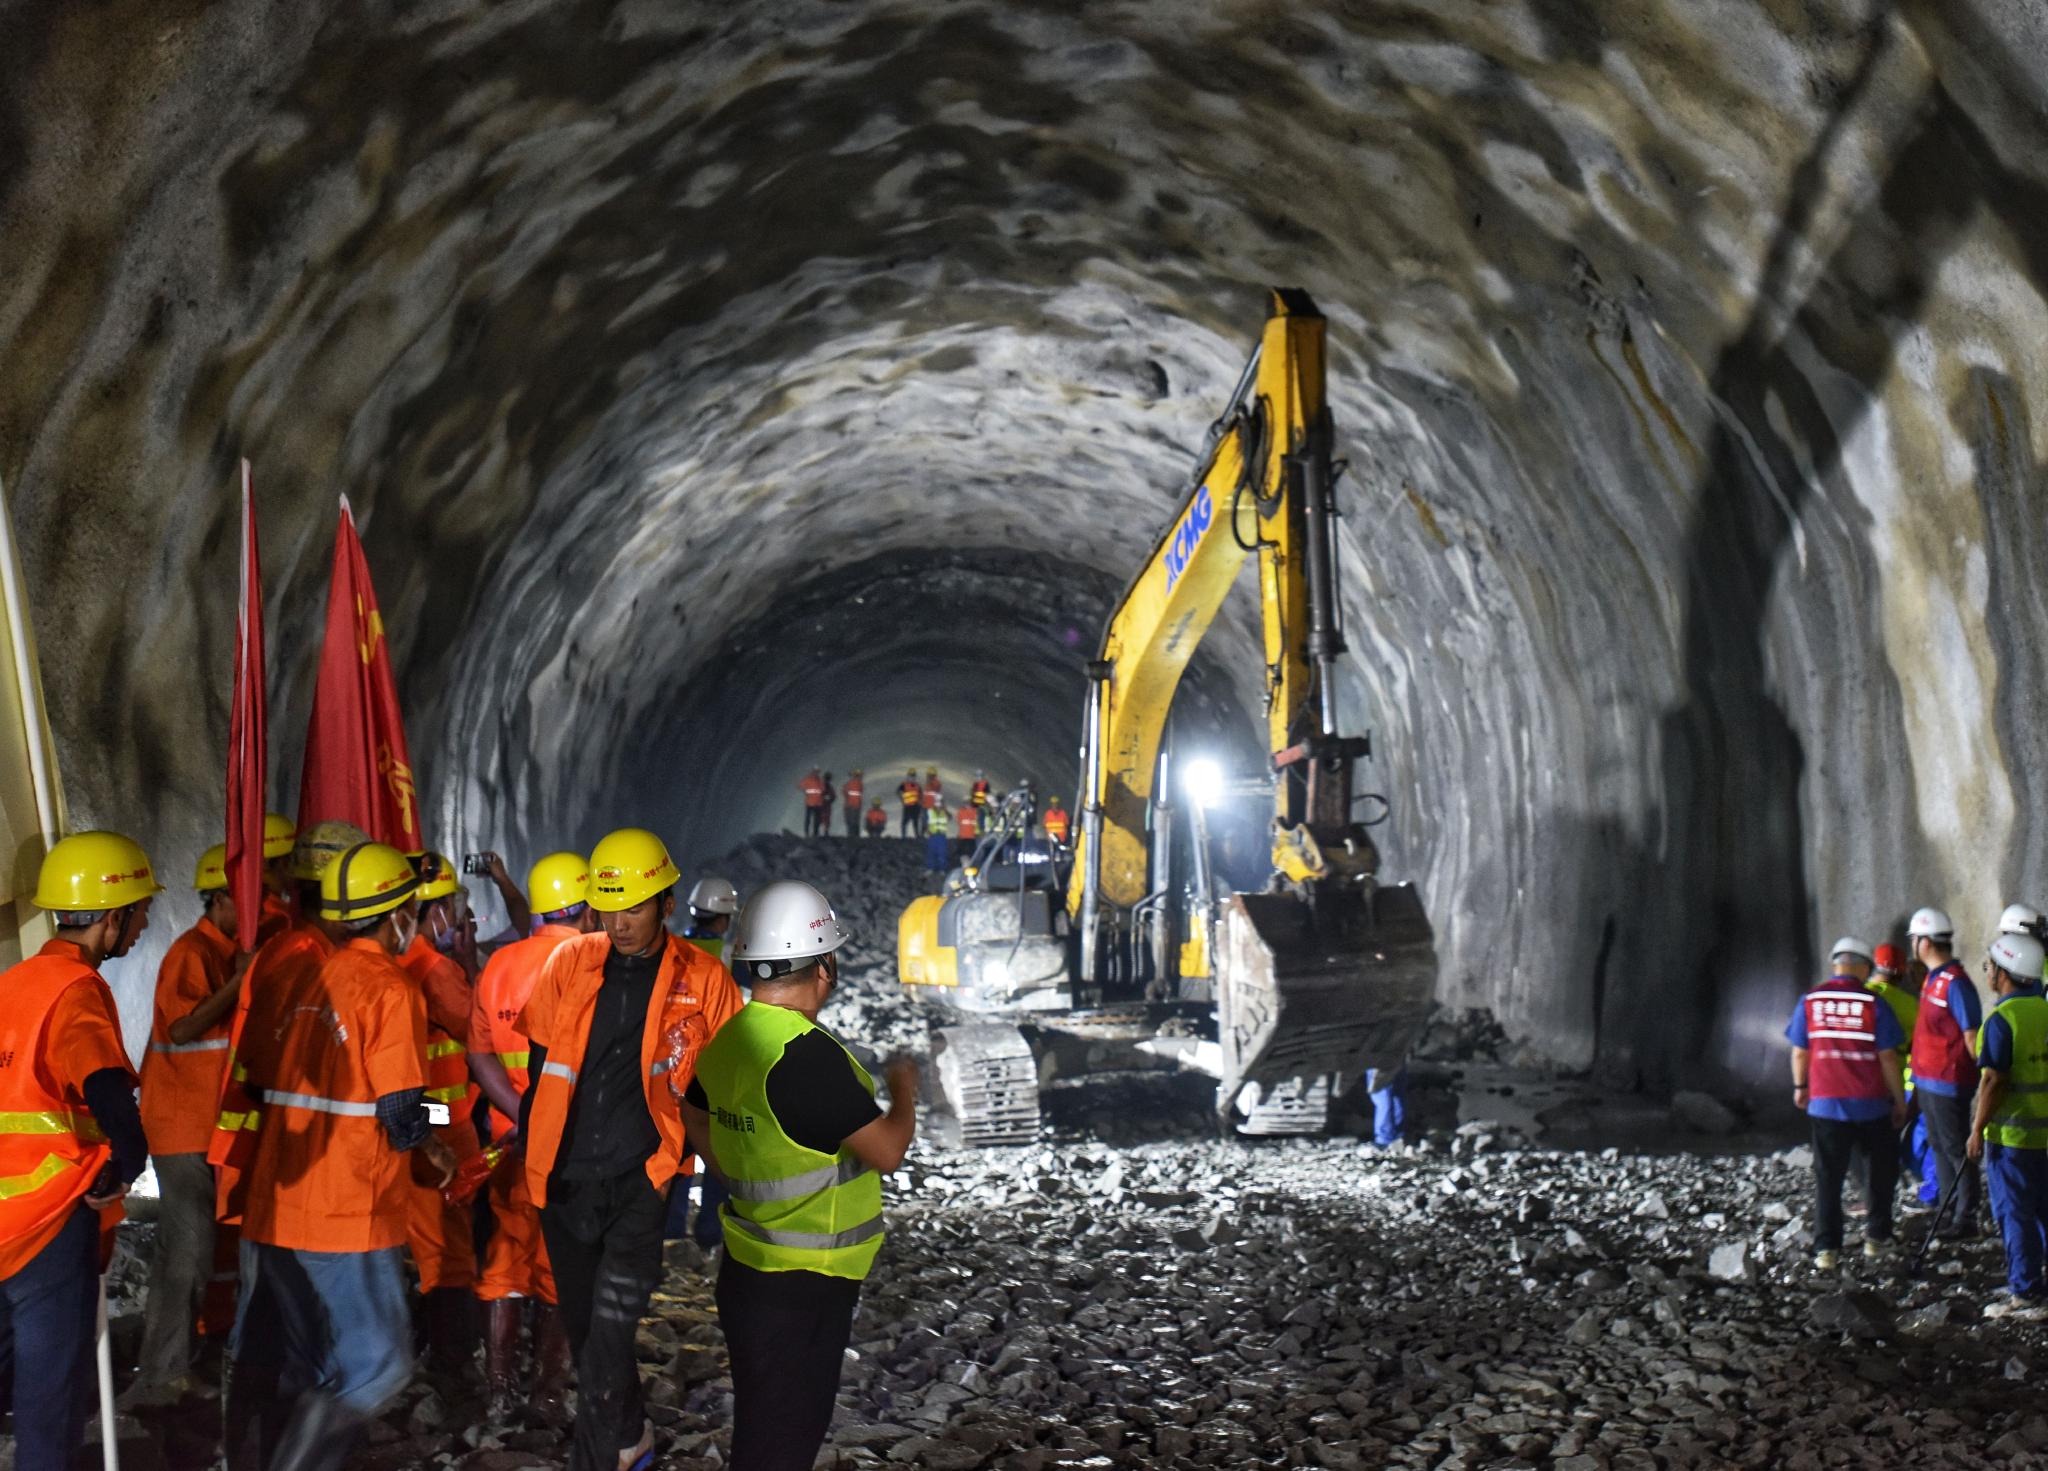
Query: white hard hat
x=786, y=923
x=714, y=895
x=2019, y=956
x=2018, y=919
x=1850, y=945
x=1930, y=924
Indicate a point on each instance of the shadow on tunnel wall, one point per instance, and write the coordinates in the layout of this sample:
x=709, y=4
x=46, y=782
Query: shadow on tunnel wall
x=1726, y=895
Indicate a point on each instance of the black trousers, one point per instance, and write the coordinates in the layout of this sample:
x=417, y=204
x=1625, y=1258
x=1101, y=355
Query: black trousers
x=604, y=1241
x=1834, y=1141
x=785, y=1335
x=1948, y=1134
x=912, y=825
x=814, y=821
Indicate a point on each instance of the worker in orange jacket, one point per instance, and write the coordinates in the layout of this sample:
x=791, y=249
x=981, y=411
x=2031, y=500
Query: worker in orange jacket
x=877, y=819
x=280, y=837
x=515, y=1266
x=442, y=1237
x=967, y=828
x=343, y=1082
x=910, y=793
x=71, y=1138
x=1057, y=823
x=616, y=1022
x=815, y=810
x=854, y=795
x=196, y=989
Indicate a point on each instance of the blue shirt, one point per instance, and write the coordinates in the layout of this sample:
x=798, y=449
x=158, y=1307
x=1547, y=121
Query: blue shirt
x=1994, y=1043
x=1890, y=1038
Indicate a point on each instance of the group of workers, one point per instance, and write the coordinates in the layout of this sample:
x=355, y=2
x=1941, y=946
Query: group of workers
x=316, y=1103
x=923, y=812
x=1894, y=1056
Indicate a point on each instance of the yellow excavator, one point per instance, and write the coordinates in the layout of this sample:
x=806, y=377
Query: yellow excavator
x=1286, y=994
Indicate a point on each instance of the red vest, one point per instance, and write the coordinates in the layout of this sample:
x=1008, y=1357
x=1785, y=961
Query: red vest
x=1940, y=1051
x=1841, y=1041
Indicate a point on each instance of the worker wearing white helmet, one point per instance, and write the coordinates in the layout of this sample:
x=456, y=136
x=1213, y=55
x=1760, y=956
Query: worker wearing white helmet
x=1945, y=1062
x=787, y=1116
x=2009, y=1131
x=1847, y=1077
x=713, y=902
x=2024, y=919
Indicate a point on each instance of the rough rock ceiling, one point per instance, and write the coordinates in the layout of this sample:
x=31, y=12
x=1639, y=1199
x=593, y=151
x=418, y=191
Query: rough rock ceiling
x=728, y=387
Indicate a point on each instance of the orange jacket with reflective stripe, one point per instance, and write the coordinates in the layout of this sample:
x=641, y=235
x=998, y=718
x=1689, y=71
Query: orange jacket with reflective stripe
x=910, y=793
x=877, y=818
x=501, y=993
x=325, y=1177
x=693, y=997
x=181, y=1080
x=969, y=820
x=277, y=973
x=1056, y=824
x=58, y=1027
x=813, y=788
x=442, y=982
x=852, y=792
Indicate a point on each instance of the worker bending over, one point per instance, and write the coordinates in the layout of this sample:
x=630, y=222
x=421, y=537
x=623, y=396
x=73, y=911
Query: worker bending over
x=1846, y=1078
x=515, y=1266
x=71, y=1138
x=196, y=988
x=713, y=902
x=787, y=1116
x=442, y=1236
x=2009, y=1130
x=1945, y=1063
x=617, y=1021
x=324, y=1325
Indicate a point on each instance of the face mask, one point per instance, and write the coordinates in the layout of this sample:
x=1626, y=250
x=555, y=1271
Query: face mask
x=407, y=929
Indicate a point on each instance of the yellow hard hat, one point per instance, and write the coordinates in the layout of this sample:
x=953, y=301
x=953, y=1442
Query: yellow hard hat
x=279, y=833
x=629, y=867
x=320, y=844
x=212, y=872
x=557, y=882
x=367, y=880
x=437, y=877
x=87, y=872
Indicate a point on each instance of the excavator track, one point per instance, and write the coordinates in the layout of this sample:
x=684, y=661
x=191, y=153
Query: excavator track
x=1294, y=1107
x=988, y=1078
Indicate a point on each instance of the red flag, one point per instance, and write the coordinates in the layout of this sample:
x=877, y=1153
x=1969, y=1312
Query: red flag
x=357, y=767
x=246, y=748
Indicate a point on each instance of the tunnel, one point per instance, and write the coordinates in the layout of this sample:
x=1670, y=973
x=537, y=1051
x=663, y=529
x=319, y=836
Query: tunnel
x=724, y=391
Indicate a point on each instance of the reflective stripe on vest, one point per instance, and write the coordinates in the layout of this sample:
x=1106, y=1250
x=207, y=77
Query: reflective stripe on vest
x=793, y=1208
x=313, y=1103
x=218, y=1044
x=515, y=1059
x=52, y=1166
x=81, y=1124
x=560, y=1070
x=1841, y=1033
x=2022, y=1118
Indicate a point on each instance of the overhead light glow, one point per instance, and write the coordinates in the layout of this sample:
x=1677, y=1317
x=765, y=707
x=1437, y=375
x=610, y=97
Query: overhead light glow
x=1202, y=780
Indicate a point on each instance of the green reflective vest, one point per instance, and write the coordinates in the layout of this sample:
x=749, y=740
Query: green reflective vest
x=711, y=945
x=792, y=1209
x=2022, y=1118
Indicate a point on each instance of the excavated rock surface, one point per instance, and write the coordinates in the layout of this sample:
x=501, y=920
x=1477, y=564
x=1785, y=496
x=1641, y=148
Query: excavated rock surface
x=726, y=388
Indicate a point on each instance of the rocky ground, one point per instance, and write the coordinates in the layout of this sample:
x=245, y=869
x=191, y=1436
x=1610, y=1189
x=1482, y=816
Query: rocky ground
x=1133, y=1292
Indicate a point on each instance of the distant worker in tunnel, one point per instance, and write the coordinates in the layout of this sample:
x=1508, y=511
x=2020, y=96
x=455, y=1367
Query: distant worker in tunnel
x=1847, y=1079
x=1888, y=984
x=2009, y=1130
x=71, y=1137
x=1945, y=1062
x=910, y=793
x=854, y=794
x=877, y=819
x=934, y=798
x=617, y=1022
x=1057, y=823
x=196, y=987
x=515, y=1268
x=938, y=842
x=813, y=789
x=787, y=1116
x=966, y=829
x=978, y=794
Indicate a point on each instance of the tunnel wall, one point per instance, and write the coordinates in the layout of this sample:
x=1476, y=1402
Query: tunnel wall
x=1686, y=360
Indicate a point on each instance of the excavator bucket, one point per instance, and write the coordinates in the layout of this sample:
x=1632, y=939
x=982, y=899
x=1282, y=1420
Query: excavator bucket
x=1311, y=991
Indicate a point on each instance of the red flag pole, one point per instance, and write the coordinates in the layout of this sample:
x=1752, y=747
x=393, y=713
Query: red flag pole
x=246, y=736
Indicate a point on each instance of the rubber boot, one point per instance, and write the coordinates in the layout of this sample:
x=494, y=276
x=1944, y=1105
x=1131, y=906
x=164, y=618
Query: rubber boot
x=552, y=1366
x=502, y=1321
x=253, y=1416
x=323, y=1433
x=451, y=1334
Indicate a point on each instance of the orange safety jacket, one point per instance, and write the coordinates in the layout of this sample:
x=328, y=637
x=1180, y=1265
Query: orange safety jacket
x=969, y=820
x=277, y=973
x=981, y=794
x=693, y=997
x=447, y=990
x=910, y=793
x=933, y=791
x=58, y=1027
x=181, y=1080
x=813, y=789
x=1056, y=824
x=853, y=791
x=325, y=1177
x=275, y=920
x=877, y=818
x=501, y=995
